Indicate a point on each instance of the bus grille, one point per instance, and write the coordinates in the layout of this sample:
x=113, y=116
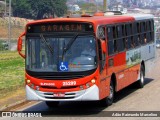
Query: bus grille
x=65, y=77
x=68, y=95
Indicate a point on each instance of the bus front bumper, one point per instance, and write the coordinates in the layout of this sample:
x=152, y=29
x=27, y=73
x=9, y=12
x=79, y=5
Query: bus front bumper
x=89, y=94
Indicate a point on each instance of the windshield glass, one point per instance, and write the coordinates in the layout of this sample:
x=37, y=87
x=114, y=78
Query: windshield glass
x=158, y=41
x=61, y=54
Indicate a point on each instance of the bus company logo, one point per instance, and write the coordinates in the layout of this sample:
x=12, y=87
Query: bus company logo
x=47, y=84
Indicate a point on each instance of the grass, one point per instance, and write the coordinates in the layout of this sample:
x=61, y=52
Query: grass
x=11, y=72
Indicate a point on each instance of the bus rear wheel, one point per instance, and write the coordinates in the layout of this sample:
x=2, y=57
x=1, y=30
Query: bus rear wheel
x=140, y=82
x=52, y=104
x=109, y=100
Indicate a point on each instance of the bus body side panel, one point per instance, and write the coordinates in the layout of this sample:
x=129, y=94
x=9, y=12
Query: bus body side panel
x=148, y=55
x=133, y=60
x=118, y=67
x=104, y=87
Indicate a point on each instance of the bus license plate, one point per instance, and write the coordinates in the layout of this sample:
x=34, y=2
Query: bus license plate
x=58, y=94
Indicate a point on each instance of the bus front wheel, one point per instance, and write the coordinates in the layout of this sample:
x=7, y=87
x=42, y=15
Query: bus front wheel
x=109, y=100
x=52, y=104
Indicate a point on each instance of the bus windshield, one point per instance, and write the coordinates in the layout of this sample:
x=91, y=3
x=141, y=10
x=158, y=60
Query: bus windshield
x=61, y=54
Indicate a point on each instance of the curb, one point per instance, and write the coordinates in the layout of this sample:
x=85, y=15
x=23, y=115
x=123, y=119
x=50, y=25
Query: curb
x=14, y=105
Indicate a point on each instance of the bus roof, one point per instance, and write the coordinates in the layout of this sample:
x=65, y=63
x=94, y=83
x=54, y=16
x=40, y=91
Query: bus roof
x=140, y=16
x=99, y=20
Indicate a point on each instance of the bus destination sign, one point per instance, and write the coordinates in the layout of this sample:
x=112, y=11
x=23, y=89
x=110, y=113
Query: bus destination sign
x=60, y=27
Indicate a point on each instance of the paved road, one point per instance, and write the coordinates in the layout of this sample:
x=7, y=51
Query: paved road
x=129, y=99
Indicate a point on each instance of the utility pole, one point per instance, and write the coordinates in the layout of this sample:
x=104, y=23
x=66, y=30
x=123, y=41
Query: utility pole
x=104, y=5
x=5, y=9
x=96, y=6
x=9, y=26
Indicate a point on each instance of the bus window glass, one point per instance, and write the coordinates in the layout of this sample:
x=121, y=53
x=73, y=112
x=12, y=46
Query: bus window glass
x=110, y=33
x=110, y=47
x=152, y=36
x=45, y=54
x=142, y=25
x=134, y=28
x=138, y=27
x=119, y=31
x=120, y=44
x=142, y=38
x=152, y=25
x=132, y=42
x=115, y=46
x=128, y=29
x=148, y=37
x=114, y=32
x=123, y=30
x=128, y=42
x=136, y=40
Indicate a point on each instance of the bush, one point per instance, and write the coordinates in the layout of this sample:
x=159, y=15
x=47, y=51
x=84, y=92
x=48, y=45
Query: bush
x=4, y=45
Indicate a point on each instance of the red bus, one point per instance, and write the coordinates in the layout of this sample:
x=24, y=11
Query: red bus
x=87, y=58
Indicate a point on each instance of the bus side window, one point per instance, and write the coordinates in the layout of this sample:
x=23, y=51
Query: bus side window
x=148, y=37
x=142, y=26
x=128, y=29
x=132, y=42
x=123, y=30
x=114, y=32
x=110, y=47
x=120, y=45
x=119, y=31
x=128, y=43
x=152, y=25
x=145, y=38
x=138, y=27
x=134, y=28
x=109, y=33
x=152, y=30
x=136, y=40
x=115, y=46
x=142, y=38
x=152, y=36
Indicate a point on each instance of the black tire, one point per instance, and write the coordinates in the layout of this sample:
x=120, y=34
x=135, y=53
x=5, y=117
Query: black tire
x=52, y=104
x=140, y=82
x=109, y=100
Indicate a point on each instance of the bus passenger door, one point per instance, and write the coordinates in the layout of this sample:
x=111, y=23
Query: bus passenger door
x=104, y=90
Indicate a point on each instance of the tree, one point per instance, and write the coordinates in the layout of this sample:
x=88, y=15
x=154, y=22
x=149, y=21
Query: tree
x=38, y=9
x=21, y=8
x=50, y=7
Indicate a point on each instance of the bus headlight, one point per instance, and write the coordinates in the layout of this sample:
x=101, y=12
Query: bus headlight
x=93, y=81
x=28, y=81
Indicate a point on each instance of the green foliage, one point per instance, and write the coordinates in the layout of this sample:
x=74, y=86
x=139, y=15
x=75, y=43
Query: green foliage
x=37, y=9
x=11, y=72
x=21, y=8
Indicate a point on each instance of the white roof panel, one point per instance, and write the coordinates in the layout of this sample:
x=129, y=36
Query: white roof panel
x=140, y=16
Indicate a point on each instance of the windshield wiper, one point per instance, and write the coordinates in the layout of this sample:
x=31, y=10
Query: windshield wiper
x=49, y=47
x=66, y=48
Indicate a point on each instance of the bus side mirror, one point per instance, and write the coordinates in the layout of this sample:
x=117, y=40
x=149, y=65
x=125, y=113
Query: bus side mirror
x=103, y=46
x=19, y=45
